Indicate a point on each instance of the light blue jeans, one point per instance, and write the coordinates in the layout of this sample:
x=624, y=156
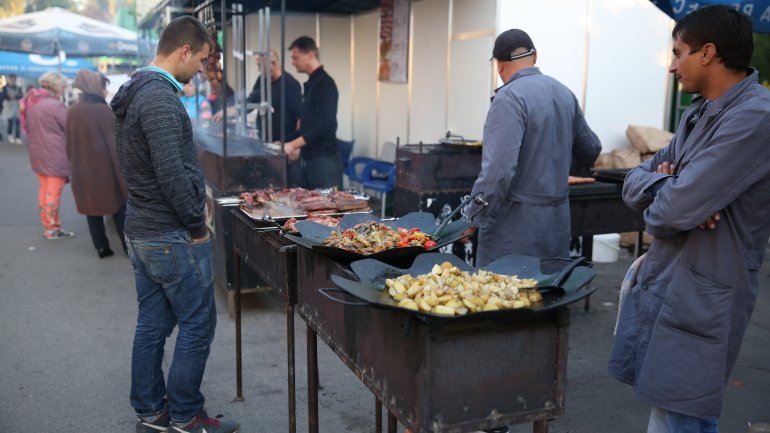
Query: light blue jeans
x=174, y=286
x=663, y=421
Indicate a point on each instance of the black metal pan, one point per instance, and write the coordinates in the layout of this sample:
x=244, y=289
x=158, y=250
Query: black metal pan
x=313, y=234
x=560, y=288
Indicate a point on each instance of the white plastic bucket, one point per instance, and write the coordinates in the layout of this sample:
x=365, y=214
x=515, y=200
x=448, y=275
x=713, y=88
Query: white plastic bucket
x=606, y=248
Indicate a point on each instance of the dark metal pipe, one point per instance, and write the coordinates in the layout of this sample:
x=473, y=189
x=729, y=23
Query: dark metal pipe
x=238, y=359
x=312, y=380
x=377, y=415
x=392, y=423
x=540, y=426
x=290, y=358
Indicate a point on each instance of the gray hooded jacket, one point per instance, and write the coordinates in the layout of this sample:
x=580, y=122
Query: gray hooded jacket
x=166, y=188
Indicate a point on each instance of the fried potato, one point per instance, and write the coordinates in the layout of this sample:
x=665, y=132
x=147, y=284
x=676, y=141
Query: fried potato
x=447, y=290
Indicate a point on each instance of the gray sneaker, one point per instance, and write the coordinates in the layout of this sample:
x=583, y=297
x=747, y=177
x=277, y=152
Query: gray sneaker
x=156, y=424
x=203, y=424
x=60, y=234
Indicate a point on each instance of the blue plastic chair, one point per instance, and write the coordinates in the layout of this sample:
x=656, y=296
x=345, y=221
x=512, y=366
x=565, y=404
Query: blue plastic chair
x=346, y=148
x=355, y=169
x=379, y=176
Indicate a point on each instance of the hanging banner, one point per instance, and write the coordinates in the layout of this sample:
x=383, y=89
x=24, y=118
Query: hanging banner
x=394, y=40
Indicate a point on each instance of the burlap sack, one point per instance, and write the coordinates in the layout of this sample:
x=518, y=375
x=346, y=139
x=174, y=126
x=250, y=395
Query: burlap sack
x=618, y=158
x=647, y=139
x=625, y=158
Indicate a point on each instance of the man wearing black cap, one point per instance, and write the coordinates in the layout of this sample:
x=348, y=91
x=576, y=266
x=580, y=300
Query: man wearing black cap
x=534, y=133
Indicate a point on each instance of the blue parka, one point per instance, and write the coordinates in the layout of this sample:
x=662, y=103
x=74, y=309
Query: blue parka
x=534, y=132
x=681, y=327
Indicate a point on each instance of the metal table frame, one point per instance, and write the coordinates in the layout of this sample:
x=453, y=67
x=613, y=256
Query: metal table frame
x=248, y=239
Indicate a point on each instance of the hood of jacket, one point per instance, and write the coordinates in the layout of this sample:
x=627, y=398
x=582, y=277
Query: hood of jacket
x=122, y=100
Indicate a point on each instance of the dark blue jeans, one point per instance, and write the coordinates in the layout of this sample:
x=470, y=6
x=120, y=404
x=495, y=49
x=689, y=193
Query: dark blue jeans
x=14, y=124
x=174, y=286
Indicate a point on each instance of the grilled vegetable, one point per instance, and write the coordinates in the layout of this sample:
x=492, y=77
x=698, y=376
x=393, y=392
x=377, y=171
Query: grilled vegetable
x=373, y=237
x=447, y=290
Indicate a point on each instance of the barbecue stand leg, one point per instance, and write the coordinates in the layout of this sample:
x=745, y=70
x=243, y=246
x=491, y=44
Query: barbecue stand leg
x=540, y=426
x=392, y=423
x=312, y=380
x=238, y=359
x=588, y=252
x=291, y=371
x=377, y=415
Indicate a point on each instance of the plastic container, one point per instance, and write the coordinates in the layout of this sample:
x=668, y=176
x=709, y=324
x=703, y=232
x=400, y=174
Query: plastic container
x=606, y=248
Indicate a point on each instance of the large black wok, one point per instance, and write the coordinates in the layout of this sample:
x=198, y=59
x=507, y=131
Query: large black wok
x=313, y=234
x=560, y=288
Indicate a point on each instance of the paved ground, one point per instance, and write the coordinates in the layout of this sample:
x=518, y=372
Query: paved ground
x=67, y=320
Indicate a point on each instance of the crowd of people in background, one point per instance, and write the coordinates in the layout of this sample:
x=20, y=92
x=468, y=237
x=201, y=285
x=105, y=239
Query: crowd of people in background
x=74, y=144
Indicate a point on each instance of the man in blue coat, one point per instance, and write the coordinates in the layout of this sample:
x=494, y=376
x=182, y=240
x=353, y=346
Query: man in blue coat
x=706, y=200
x=534, y=132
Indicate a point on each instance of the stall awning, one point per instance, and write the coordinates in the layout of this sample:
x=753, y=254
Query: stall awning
x=758, y=10
x=35, y=65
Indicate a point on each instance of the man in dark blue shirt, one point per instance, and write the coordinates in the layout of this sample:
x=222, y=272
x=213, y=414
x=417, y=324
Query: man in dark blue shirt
x=314, y=147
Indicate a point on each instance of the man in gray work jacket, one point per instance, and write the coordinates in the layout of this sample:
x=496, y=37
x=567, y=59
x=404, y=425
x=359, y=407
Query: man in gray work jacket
x=534, y=132
x=706, y=200
x=167, y=237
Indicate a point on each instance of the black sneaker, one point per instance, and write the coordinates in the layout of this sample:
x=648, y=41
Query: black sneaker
x=156, y=424
x=203, y=424
x=104, y=252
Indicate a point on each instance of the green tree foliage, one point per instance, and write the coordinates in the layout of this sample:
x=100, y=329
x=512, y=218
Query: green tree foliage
x=9, y=8
x=761, y=57
x=39, y=5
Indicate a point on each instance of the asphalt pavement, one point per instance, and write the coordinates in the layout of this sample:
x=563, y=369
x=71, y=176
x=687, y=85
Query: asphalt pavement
x=67, y=320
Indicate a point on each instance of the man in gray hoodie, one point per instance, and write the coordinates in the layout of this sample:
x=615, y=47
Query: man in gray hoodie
x=166, y=235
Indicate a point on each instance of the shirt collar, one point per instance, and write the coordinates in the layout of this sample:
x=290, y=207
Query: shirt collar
x=170, y=78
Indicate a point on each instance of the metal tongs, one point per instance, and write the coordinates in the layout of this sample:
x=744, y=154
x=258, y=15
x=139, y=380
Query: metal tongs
x=269, y=220
x=477, y=198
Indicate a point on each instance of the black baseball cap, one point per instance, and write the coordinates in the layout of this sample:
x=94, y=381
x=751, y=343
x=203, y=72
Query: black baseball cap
x=509, y=41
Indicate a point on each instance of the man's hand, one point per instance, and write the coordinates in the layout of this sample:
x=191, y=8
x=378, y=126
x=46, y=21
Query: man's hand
x=217, y=117
x=665, y=168
x=711, y=222
x=292, y=151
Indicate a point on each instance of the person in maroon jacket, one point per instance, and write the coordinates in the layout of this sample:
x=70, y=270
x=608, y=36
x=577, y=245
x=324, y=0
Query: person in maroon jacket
x=46, y=124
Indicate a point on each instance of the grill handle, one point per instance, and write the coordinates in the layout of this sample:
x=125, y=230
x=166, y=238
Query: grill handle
x=326, y=292
x=559, y=280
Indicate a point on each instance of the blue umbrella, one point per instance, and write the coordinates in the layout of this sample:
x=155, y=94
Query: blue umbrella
x=758, y=10
x=34, y=65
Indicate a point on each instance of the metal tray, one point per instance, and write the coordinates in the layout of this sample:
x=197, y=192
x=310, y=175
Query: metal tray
x=281, y=219
x=313, y=234
x=558, y=289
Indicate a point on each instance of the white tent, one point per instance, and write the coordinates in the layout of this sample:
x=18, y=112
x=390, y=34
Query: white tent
x=53, y=30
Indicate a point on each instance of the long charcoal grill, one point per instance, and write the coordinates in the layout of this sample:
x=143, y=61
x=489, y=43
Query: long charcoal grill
x=274, y=259
x=446, y=377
